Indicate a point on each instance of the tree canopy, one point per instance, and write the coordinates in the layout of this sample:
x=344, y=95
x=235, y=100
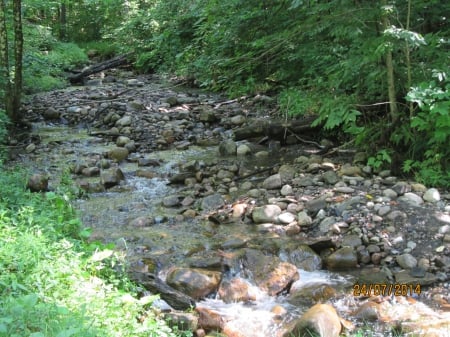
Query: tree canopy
x=375, y=71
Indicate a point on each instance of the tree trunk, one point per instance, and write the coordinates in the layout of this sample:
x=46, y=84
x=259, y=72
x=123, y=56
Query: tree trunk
x=392, y=93
x=18, y=56
x=62, y=20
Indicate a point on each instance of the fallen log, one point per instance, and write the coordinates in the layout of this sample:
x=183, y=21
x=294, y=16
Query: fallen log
x=275, y=129
x=98, y=67
x=173, y=297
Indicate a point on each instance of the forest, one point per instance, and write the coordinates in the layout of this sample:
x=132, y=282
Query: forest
x=373, y=74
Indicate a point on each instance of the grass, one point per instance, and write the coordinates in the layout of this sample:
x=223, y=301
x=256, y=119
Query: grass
x=53, y=283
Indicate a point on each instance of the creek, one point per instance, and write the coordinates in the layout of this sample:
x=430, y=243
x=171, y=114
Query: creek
x=161, y=226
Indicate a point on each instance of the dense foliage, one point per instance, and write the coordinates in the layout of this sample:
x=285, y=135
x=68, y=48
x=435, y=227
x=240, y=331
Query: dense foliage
x=374, y=70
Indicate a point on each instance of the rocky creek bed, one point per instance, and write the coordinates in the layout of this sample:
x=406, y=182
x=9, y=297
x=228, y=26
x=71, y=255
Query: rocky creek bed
x=263, y=236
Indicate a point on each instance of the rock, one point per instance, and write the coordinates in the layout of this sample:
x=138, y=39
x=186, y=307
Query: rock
x=196, y=283
x=303, y=257
x=238, y=120
x=171, y=201
x=405, y=278
x=268, y=272
x=310, y=293
x=286, y=190
x=272, y=182
x=90, y=171
x=349, y=170
x=227, y=148
x=406, y=261
x=51, y=113
x=390, y=193
x=30, y=148
x=304, y=219
x=142, y=221
x=352, y=240
x=118, y=154
x=343, y=258
x=208, y=116
x=111, y=177
x=287, y=173
x=243, y=150
x=411, y=198
x=209, y=319
x=286, y=218
x=330, y=177
x=432, y=195
x=267, y=213
x=121, y=141
x=212, y=201
x=38, y=182
x=124, y=121
x=235, y=290
x=368, y=311
x=321, y=320
x=315, y=205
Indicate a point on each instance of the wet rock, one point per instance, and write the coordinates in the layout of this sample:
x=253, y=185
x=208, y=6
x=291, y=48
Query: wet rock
x=343, y=258
x=405, y=277
x=267, y=213
x=227, y=148
x=118, y=154
x=111, y=177
x=368, y=311
x=209, y=320
x=196, y=283
x=273, y=182
x=38, y=182
x=235, y=290
x=310, y=294
x=268, y=272
x=352, y=240
x=287, y=173
x=303, y=257
x=30, y=148
x=320, y=319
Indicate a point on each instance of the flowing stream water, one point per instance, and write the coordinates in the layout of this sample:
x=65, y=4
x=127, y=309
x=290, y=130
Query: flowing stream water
x=168, y=241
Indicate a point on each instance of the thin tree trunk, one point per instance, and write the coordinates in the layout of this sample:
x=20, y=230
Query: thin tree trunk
x=4, y=59
x=62, y=20
x=392, y=94
x=18, y=56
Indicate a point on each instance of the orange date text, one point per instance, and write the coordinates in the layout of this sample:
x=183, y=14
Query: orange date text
x=386, y=289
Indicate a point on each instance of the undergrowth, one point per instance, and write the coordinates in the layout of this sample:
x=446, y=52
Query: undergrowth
x=52, y=282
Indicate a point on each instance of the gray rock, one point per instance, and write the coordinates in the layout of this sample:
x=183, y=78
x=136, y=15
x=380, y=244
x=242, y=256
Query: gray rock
x=38, y=182
x=330, y=177
x=121, y=141
x=352, y=240
x=124, y=121
x=238, y=120
x=286, y=190
x=343, y=258
x=243, y=150
x=286, y=218
x=272, y=182
x=118, y=154
x=390, y=193
x=212, y=201
x=111, y=177
x=305, y=258
x=326, y=224
x=287, y=173
x=304, y=219
x=196, y=283
x=267, y=213
x=411, y=198
x=171, y=201
x=406, y=261
x=227, y=148
x=315, y=205
x=432, y=195
x=51, y=113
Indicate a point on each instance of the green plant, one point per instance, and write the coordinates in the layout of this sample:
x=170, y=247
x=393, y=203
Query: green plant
x=382, y=158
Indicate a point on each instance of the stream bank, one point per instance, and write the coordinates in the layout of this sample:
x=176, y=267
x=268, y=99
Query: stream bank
x=255, y=234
